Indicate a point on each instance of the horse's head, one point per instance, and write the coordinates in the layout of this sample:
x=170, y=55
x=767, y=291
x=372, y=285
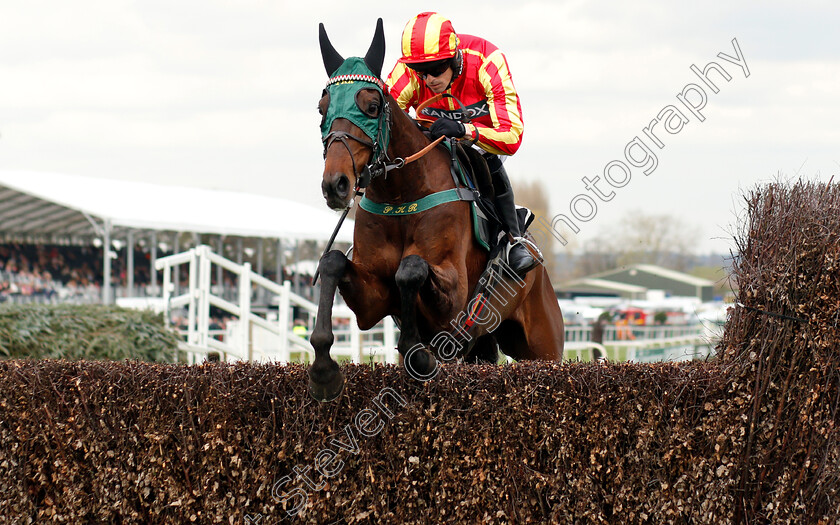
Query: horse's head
x=355, y=125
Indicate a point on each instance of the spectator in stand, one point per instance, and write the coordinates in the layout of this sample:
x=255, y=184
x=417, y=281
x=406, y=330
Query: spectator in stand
x=300, y=329
x=36, y=273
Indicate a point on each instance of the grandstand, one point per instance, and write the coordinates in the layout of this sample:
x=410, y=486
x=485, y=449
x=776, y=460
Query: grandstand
x=53, y=228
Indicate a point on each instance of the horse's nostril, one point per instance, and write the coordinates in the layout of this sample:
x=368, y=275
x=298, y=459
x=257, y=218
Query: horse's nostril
x=342, y=185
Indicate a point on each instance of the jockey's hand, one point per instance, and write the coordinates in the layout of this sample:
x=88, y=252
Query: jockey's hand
x=444, y=127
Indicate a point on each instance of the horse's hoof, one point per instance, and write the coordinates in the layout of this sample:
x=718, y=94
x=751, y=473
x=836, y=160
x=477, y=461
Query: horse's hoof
x=420, y=363
x=329, y=391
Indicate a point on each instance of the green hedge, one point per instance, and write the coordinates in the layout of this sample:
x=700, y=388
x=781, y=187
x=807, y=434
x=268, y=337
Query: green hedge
x=84, y=332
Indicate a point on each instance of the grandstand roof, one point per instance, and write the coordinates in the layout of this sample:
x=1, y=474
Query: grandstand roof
x=53, y=204
x=634, y=281
x=591, y=286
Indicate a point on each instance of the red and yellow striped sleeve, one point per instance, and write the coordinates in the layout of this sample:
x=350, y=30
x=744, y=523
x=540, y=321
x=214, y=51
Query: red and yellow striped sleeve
x=505, y=135
x=404, y=87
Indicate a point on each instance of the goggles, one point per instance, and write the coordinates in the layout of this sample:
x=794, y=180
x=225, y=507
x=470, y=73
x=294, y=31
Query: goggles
x=430, y=69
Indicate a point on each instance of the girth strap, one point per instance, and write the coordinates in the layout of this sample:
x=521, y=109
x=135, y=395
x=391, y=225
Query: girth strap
x=426, y=203
x=362, y=179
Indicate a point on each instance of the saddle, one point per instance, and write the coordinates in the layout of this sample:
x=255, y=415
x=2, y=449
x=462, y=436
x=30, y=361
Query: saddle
x=470, y=169
x=470, y=172
x=498, y=281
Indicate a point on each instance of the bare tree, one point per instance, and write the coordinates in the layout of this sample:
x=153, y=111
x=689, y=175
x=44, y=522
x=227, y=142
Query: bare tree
x=534, y=196
x=596, y=256
x=640, y=238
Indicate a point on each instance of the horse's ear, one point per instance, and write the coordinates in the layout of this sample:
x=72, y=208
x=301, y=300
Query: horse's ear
x=331, y=57
x=375, y=56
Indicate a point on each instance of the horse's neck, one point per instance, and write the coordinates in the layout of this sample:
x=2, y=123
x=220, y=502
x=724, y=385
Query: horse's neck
x=417, y=179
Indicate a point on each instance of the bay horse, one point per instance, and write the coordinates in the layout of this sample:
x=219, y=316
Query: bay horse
x=418, y=267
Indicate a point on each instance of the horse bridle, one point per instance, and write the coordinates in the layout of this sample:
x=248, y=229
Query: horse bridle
x=377, y=165
x=372, y=169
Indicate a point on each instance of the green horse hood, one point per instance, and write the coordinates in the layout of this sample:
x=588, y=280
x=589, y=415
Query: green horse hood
x=345, y=83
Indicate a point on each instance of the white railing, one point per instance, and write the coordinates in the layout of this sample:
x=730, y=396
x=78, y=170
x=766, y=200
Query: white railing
x=631, y=332
x=578, y=333
x=252, y=337
x=269, y=337
x=641, y=343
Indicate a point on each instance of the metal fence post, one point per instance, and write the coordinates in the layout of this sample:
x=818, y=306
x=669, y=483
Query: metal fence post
x=390, y=340
x=167, y=294
x=355, y=340
x=192, y=333
x=204, y=295
x=284, y=313
x=245, y=310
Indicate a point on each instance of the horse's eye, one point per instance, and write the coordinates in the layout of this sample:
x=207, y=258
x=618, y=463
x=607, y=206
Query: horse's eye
x=323, y=102
x=369, y=102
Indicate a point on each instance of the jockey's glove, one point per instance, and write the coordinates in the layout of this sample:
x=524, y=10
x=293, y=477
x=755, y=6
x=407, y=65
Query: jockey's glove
x=444, y=127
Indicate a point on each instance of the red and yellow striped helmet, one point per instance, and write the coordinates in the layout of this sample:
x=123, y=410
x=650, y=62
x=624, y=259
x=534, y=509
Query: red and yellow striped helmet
x=428, y=37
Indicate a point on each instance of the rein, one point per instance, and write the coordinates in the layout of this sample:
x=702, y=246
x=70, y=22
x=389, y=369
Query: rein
x=343, y=136
x=360, y=185
x=465, y=116
x=412, y=158
x=378, y=165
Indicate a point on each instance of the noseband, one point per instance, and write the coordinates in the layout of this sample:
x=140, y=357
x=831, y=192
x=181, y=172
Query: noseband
x=377, y=165
x=343, y=87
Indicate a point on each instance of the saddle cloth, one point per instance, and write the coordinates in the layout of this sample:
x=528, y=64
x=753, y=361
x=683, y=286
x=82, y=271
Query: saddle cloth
x=471, y=169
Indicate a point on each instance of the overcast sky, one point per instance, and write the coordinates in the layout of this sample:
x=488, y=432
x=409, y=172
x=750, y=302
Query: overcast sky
x=222, y=94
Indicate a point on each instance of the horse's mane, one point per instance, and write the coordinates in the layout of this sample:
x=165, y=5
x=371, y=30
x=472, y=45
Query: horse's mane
x=398, y=113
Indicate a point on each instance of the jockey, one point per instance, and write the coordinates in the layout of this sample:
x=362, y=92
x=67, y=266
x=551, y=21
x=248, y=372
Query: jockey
x=436, y=60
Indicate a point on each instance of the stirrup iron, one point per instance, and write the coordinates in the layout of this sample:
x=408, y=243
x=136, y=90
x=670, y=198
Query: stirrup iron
x=535, y=251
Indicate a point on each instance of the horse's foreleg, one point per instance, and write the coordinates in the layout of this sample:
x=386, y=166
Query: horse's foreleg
x=411, y=274
x=325, y=378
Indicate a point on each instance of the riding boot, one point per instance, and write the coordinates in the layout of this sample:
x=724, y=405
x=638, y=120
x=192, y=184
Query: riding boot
x=519, y=258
